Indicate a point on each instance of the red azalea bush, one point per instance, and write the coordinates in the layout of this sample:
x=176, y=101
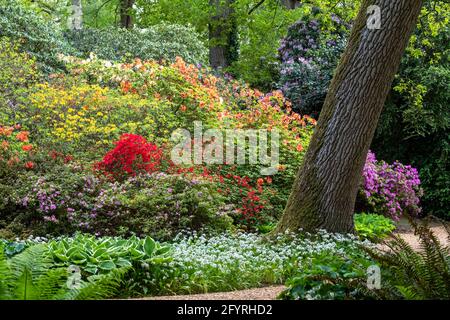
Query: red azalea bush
x=252, y=200
x=132, y=155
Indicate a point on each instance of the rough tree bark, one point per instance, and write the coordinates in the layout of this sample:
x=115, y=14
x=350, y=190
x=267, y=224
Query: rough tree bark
x=126, y=19
x=222, y=34
x=324, y=192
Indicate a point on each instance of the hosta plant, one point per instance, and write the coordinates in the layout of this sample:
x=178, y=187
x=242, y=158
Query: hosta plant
x=102, y=255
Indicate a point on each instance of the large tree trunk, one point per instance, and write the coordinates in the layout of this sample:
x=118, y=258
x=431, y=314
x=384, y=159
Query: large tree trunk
x=126, y=19
x=324, y=192
x=222, y=34
x=76, y=21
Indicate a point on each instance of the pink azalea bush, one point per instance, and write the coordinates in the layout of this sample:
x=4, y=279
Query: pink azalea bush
x=391, y=189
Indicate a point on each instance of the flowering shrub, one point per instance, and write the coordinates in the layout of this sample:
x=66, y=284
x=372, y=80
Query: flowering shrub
x=158, y=204
x=15, y=149
x=391, y=189
x=132, y=155
x=309, y=54
x=42, y=38
x=184, y=93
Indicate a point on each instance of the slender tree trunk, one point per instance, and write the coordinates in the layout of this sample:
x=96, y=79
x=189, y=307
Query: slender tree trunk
x=324, y=192
x=290, y=4
x=76, y=22
x=222, y=34
x=126, y=19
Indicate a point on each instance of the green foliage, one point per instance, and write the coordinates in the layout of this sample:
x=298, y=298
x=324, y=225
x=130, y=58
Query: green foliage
x=329, y=277
x=31, y=275
x=228, y=262
x=407, y=272
x=373, y=226
x=158, y=42
x=102, y=255
x=41, y=39
x=416, y=273
x=163, y=205
x=17, y=73
x=415, y=123
x=260, y=35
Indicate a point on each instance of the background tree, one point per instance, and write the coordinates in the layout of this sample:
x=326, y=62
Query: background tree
x=223, y=34
x=324, y=192
x=77, y=15
x=126, y=16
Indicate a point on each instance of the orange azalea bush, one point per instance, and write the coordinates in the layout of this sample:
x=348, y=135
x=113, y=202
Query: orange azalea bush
x=15, y=149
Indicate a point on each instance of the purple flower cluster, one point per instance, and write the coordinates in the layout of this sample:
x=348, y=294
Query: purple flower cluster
x=309, y=55
x=392, y=189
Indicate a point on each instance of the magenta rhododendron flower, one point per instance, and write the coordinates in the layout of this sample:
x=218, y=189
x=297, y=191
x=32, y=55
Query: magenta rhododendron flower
x=391, y=189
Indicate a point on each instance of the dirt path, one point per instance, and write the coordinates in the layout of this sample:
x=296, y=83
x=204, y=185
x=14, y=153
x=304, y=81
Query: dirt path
x=404, y=230
x=267, y=293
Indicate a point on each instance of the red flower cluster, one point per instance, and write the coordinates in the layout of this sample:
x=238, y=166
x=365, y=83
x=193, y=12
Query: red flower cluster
x=132, y=154
x=55, y=155
x=242, y=189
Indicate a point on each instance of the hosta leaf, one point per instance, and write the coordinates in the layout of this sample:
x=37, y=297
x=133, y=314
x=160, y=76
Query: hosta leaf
x=149, y=246
x=107, y=265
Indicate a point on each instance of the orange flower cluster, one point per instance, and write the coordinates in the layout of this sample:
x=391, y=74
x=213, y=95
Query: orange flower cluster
x=13, y=148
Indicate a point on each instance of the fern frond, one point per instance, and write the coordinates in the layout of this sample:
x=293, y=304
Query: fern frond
x=35, y=259
x=98, y=287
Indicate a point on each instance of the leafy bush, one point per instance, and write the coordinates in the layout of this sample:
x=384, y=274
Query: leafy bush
x=18, y=71
x=15, y=150
x=391, y=190
x=373, y=226
x=68, y=200
x=309, y=54
x=329, y=277
x=153, y=43
x=41, y=39
x=415, y=122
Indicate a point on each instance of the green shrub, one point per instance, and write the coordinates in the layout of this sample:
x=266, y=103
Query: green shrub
x=163, y=205
x=66, y=199
x=41, y=39
x=17, y=73
x=309, y=54
x=154, y=43
x=329, y=277
x=414, y=125
x=373, y=226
